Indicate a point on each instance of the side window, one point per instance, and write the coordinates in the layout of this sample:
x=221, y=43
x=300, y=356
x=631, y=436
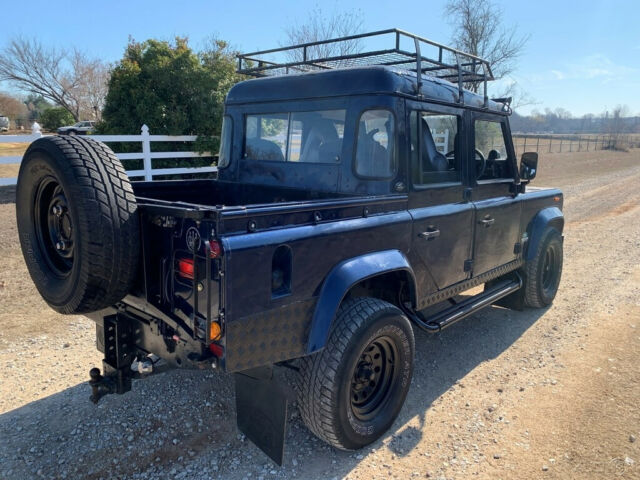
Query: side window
x=225, y=142
x=435, y=156
x=375, y=149
x=491, y=152
x=266, y=136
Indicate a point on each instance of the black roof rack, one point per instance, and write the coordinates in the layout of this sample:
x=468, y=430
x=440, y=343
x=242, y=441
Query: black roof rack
x=407, y=51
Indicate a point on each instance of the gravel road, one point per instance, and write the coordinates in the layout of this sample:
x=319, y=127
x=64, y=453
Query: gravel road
x=536, y=394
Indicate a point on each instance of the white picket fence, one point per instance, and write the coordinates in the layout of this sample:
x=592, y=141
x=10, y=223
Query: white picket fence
x=146, y=155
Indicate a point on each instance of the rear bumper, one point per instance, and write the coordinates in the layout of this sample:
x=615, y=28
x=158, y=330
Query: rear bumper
x=123, y=335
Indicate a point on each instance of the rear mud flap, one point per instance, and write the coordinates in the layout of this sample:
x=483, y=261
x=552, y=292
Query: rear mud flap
x=261, y=410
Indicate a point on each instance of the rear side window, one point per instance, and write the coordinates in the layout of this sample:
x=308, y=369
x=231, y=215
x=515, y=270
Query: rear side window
x=301, y=137
x=375, y=149
x=225, y=142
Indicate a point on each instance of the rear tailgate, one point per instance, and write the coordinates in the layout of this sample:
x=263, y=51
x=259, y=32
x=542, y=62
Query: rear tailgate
x=180, y=274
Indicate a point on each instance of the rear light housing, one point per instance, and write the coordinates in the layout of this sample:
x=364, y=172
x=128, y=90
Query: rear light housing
x=217, y=350
x=215, y=249
x=185, y=268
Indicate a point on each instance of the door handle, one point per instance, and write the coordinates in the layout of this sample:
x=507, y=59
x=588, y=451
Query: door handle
x=430, y=234
x=487, y=221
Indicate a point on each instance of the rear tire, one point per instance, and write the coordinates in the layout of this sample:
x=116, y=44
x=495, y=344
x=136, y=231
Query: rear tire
x=543, y=272
x=350, y=393
x=78, y=223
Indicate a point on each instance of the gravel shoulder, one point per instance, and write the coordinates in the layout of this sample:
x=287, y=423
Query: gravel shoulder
x=536, y=394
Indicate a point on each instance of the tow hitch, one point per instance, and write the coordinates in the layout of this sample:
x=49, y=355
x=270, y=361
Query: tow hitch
x=126, y=342
x=119, y=380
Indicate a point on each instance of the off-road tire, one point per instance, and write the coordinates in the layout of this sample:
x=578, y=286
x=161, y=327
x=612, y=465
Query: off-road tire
x=324, y=382
x=541, y=278
x=96, y=263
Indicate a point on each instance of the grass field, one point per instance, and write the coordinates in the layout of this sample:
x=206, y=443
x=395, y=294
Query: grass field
x=570, y=143
x=10, y=150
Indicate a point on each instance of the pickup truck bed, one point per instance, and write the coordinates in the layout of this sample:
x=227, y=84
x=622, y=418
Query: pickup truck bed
x=262, y=230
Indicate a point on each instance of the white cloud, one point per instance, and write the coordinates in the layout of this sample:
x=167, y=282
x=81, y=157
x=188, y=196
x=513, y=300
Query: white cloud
x=594, y=67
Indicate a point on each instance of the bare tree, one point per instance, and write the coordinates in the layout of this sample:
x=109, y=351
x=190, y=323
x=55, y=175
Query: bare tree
x=319, y=26
x=68, y=78
x=616, y=127
x=13, y=108
x=478, y=30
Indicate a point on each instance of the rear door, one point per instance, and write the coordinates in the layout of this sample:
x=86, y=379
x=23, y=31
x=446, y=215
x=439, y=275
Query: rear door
x=442, y=218
x=498, y=210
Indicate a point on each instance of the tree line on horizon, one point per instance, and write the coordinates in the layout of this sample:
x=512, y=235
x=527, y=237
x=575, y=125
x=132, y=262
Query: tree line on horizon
x=561, y=121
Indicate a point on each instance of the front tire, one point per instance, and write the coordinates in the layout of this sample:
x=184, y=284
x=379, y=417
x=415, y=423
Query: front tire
x=350, y=393
x=543, y=272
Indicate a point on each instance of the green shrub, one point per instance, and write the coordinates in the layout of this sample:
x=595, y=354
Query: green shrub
x=55, y=117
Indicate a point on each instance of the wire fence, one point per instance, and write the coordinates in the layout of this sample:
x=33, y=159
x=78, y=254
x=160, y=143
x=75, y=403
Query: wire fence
x=547, y=143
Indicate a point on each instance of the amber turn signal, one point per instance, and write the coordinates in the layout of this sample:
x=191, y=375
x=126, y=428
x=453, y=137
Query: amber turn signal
x=215, y=331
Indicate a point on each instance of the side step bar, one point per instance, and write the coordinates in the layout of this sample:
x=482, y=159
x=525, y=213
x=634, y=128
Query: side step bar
x=458, y=311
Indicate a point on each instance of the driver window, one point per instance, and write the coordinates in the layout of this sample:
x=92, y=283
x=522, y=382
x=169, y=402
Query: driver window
x=434, y=148
x=491, y=152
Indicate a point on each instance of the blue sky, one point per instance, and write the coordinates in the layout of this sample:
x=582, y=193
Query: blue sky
x=583, y=56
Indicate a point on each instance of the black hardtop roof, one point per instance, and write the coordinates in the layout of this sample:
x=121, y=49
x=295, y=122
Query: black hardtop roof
x=357, y=81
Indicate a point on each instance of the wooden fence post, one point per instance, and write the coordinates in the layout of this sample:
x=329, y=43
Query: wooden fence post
x=560, y=150
x=146, y=153
x=538, y=145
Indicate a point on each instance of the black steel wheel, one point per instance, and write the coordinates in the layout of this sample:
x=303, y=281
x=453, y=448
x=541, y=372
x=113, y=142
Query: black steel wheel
x=373, y=377
x=78, y=223
x=543, y=272
x=351, y=392
x=54, y=226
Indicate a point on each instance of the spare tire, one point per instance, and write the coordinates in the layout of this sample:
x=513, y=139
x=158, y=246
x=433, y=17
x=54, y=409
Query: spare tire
x=78, y=223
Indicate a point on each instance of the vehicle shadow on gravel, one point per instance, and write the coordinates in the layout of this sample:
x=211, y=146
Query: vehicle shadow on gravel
x=185, y=421
x=443, y=359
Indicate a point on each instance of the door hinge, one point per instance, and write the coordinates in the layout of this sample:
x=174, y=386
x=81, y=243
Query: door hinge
x=468, y=265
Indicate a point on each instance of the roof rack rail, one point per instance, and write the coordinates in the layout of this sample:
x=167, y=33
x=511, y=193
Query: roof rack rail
x=422, y=57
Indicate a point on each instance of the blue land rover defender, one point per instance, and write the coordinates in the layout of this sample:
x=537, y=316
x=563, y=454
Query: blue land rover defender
x=358, y=196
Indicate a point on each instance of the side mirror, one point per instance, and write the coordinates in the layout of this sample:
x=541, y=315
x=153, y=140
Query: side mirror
x=528, y=165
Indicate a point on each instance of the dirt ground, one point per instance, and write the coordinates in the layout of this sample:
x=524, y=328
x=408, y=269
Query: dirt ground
x=549, y=393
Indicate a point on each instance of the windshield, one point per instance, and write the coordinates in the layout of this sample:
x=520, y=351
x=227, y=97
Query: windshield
x=301, y=137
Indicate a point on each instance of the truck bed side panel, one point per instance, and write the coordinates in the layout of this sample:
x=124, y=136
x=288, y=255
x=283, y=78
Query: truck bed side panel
x=263, y=327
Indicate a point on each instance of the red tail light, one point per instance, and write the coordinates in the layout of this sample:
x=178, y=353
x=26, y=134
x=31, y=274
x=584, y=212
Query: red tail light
x=185, y=268
x=216, y=349
x=216, y=249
